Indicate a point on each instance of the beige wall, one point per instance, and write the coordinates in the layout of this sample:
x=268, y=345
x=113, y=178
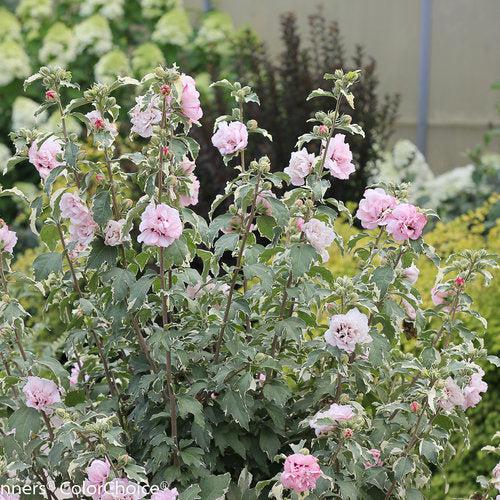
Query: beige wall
x=465, y=58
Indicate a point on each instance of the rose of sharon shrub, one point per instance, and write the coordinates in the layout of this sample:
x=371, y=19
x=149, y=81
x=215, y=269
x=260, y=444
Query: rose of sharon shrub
x=185, y=373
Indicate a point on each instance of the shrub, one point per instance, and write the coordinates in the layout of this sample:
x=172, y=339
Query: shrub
x=176, y=368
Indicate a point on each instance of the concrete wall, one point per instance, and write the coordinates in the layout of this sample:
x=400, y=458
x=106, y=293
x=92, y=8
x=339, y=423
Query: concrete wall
x=465, y=59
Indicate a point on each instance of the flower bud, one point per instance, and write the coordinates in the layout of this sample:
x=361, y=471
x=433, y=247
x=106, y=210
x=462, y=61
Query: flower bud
x=165, y=89
x=260, y=356
x=99, y=177
x=124, y=459
x=459, y=281
x=299, y=203
x=50, y=95
x=128, y=202
x=323, y=130
x=101, y=449
x=344, y=398
x=348, y=433
x=304, y=451
x=252, y=124
x=414, y=406
x=165, y=150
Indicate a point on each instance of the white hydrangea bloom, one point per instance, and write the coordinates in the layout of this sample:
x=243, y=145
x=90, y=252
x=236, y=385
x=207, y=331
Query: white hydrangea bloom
x=13, y=61
x=145, y=58
x=23, y=114
x=173, y=28
x=215, y=31
x=59, y=46
x=94, y=34
x=10, y=29
x=155, y=8
x=111, y=65
x=33, y=12
x=111, y=9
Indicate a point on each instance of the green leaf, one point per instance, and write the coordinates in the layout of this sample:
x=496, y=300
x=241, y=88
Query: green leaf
x=101, y=254
x=191, y=493
x=276, y=392
x=71, y=154
x=215, y=487
x=101, y=208
x=74, y=398
x=430, y=450
x=46, y=264
x=175, y=254
x=383, y=277
x=269, y=442
x=280, y=212
x=302, y=257
x=49, y=234
x=227, y=242
x=234, y=405
x=403, y=466
x=25, y=421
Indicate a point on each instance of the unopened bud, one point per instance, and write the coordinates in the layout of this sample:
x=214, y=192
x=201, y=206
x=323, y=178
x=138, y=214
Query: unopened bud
x=128, y=202
x=101, y=449
x=124, y=459
x=165, y=89
x=165, y=150
x=348, y=433
x=323, y=130
x=459, y=281
x=252, y=124
x=50, y=95
x=304, y=451
x=99, y=177
x=414, y=406
x=344, y=398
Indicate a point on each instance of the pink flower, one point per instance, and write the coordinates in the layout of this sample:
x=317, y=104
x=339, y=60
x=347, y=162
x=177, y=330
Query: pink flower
x=7, y=496
x=325, y=421
x=376, y=462
x=262, y=377
x=113, y=233
x=442, y=296
x=190, y=100
x=75, y=374
x=160, y=225
x=8, y=238
x=41, y=394
x=299, y=222
x=165, y=494
x=452, y=395
x=44, y=158
x=97, y=122
x=320, y=236
x=263, y=203
x=98, y=472
x=123, y=489
x=348, y=330
x=410, y=310
x=472, y=392
x=188, y=165
x=83, y=232
x=406, y=222
x=145, y=114
x=194, y=190
x=411, y=273
x=459, y=281
x=375, y=208
x=73, y=208
x=230, y=137
x=300, y=472
x=339, y=158
x=300, y=166
x=496, y=476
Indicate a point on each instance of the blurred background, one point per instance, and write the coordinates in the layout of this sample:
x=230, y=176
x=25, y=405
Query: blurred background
x=428, y=101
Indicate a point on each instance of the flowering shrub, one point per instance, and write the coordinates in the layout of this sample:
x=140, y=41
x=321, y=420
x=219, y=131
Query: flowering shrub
x=205, y=359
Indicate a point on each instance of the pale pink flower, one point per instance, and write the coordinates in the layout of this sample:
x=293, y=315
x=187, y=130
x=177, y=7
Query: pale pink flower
x=263, y=203
x=442, y=296
x=160, y=226
x=194, y=190
x=339, y=158
x=411, y=273
x=98, y=472
x=8, y=238
x=145, y=114
x=123, y=489
x=406, y=222
x=376, y=460
x=410, y=310
x=262, y=377
x=75, y=374
x=300, y=472
x=188, y=165
x=348, y=330
x=320, y=236
x=9, y=496
x=230, y=137
x=335, y=414
x=41, y=394
x=496, y=476
x=190, y=100
x=165, y=494
x=452, y=395
x=300, y=166
x=83, y=232
x=299, y=222
x=44, y=158
x=98, y=123
x=472, y=392
x=73, y=208
x=113, y=233
x=375, y=208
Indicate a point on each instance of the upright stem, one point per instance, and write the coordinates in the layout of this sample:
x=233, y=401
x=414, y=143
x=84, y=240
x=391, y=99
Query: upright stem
x=281, y=316
x=236, y=270
x=242, y=153
x=46, y=419
x=22, y=351
x=170, y=384
x=3, y=279
x=68, y=259
x=335, y=116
